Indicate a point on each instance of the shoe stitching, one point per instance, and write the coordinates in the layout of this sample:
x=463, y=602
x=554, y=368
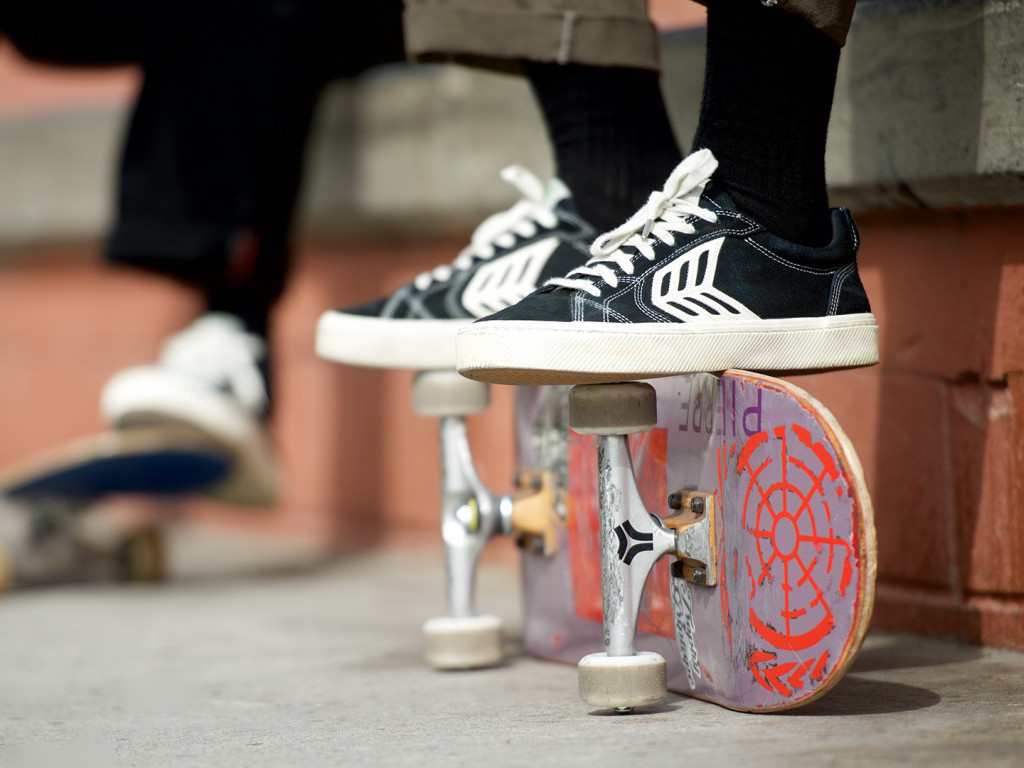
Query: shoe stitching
x=576, y=308
x=607, y=311
x=394, y=302
x=417, y=304
x=837, y=286
x=775, y=257
x=638, y=290
x=785, y=263
x=851, y=227
x=570, y=217
x=452, y=301
x=417, y=310
x=603, y=311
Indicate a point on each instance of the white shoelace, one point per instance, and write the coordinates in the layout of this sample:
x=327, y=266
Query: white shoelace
x=535, y=208
x=665, y=213
x=217, y=348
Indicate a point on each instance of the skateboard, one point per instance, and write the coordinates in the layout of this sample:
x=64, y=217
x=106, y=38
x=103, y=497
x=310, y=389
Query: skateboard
x=44, y=501
x=719, y=523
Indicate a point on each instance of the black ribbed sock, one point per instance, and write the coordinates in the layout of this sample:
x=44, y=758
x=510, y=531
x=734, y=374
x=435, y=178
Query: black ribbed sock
x=611, y=136
x=768, y=91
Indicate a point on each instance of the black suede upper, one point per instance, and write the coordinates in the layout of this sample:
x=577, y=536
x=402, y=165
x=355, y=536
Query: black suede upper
x=767, y=276
x=443, y=299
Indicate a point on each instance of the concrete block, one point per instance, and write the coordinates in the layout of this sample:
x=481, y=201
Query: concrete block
x=58, y=173
x=415, y=151
x=929, y=105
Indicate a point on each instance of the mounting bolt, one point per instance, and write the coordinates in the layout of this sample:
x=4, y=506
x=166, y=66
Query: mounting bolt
x=697, y=505
x=700, y=576
x=561, y=510
x=675, y=500
x=531, y=543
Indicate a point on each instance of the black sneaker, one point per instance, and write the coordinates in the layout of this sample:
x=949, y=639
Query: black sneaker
x=687, y=284
x=509, y=256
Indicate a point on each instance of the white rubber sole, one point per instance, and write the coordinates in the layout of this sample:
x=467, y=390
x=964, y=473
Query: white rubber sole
x=156, y=395
x=528, y=352
x=420, y=345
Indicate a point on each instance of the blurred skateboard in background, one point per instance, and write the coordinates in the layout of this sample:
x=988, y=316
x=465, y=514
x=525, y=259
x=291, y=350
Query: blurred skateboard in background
x=754, y=493
x=47, y=528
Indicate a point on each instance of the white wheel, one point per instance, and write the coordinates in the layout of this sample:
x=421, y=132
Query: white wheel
x=622, y=682
x=463, y=643
x=446, y=393
x=612, y=409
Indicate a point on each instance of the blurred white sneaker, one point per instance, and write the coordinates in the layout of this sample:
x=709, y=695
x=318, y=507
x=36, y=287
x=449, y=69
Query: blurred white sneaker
x=208, y=377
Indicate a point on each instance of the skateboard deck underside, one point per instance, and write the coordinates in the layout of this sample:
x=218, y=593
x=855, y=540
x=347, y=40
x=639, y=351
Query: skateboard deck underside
x=155, y=461
x=552, y=628
x=48, y=532
x=795, y=546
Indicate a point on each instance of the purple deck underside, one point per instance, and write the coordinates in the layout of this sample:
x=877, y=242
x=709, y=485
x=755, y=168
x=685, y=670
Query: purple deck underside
x=790, y=576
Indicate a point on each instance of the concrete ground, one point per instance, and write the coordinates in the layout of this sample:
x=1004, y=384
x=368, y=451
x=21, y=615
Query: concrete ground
x=268, y=660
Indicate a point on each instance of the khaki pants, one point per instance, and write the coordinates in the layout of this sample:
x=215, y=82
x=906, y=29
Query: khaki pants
x=497, y=33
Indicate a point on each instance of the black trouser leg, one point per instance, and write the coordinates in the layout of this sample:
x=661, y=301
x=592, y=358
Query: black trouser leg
x=212, y=162
x=73, y=32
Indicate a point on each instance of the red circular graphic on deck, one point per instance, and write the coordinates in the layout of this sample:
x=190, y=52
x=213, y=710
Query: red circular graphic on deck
x=790, y=484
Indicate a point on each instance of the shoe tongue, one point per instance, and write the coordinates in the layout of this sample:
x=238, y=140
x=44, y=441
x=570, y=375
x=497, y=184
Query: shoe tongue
x=528, y=185
x=690, y=177
x=556, y=192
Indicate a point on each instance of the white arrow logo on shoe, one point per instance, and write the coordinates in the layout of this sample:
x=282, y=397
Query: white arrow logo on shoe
x=684, y=288
x=504, y=281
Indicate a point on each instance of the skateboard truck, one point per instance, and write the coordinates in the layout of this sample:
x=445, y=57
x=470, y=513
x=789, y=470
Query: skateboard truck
x=470, y=517
x=632, y=541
